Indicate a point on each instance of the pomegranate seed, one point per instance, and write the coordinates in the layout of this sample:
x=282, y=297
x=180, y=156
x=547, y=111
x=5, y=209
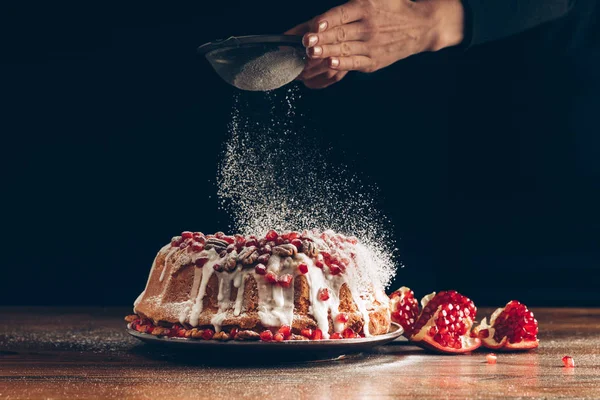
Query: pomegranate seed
x=176, y=241
x=491, y=358
x=239, y=240
x=271, y=277
x=303, y=268
x=251, y=242
x=348, y=333
x=484, y=333
x=307, y=332
x=263, y=259
x=278, y=337
x=219, y=235
x=266, y=336
x=342, y=317
x=297, y=243
x=335, y=269
x=201, y=261
x=336, y=336
x=228, y=239
x=233, y=333
x=187, y=235
x=568, y=362
x=319, y=264
x=323, y=294
x=293, y=236
x=271, y=235
x=285, y=280
x=197, y=247
x=208, y=334
x=286, y=331
x=279, y=240
x=317, y=335
x=261, y=269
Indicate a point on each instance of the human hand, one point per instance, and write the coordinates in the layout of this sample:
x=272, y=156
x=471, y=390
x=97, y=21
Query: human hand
x=367, y=35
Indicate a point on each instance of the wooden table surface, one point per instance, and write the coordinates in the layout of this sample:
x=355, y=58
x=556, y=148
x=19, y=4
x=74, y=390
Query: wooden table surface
x=86, y=353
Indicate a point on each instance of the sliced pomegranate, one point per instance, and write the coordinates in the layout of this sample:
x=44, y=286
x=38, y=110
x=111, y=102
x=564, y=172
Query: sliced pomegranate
x=511, y=328
x=405, y=309
x=445, y=323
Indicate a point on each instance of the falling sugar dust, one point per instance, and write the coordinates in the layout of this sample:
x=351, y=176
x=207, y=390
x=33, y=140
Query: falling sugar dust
x=273, y=176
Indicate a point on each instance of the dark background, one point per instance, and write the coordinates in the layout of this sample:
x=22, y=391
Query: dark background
x=487, y=159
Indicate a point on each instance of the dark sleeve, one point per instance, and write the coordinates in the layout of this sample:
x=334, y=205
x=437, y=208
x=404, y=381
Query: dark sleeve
x=488, y=20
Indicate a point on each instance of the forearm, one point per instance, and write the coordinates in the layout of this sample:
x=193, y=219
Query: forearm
x=486, y=21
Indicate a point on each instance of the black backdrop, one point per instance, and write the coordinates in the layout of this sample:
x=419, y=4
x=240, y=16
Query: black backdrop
x=487, y=160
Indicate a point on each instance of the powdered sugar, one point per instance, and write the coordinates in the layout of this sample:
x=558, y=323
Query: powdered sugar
x=270, y=71
x=273, y=177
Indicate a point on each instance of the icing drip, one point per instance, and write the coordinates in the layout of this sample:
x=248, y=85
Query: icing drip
x=207, y=272
x=171, y=252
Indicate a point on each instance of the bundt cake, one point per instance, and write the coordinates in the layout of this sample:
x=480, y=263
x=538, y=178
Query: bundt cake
x=290, y=286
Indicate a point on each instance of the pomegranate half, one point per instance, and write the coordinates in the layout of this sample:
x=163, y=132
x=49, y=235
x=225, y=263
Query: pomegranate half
x=512, y=327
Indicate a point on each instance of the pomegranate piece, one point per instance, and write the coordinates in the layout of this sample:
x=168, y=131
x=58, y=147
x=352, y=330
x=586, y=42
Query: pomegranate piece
x=176, y=241
x=197, y=247
x=228, y=239
x=405, y=309
x=187, y=235
x=323, y=294
x=219, y=235
x=317, y=335
x=335, y=269
x=513, y=327
x=568, y=362
x=233, y=332
x=286, y=331
x=271, y=235
x=336, y=335
x=285, y=280
x=278, y=337
x=208, y=334
x=307, y=332
x=303, y=268
x=491, y=358
x=297, y=243
x=200, y=262
x=445, y=323
x=349, y=333
x=319, y=264
x=266, y=336
x=342, y=317
x=271, y=277
x=293, y=236
x=261, y=269
x=240, y=240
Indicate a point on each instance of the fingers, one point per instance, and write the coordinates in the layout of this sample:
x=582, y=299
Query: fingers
x=352, y=63
x=318, y=69
x=339, y=34
x=337, y=16
x=324, y=80
x=345, y=49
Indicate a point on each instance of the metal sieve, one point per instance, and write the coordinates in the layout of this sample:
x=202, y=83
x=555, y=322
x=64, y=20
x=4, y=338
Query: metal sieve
x=259, y=62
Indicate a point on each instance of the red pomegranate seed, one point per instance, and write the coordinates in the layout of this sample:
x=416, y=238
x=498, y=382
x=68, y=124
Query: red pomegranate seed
x=251, y=242
x=336, y=335
x=568, y=362
x=201, y=261
x=266, y=336
x=261, y=269
x=286, y=331
x=176, y=241
x=307, y=332
x=293, y=236
x=335, y=269
x=208, y=334
x=323, y=294
x=348, y=333
x=271, y=277
x=297, y=243
x=491, y=358
x=233, y=332
x=263, y=259
x=484, y=333
x=271, y=235
x=219, y=235
x=342, y=317
x=303, y=268
x=228, y=239
x=278, y=337
x=319, y=264
x=197, y=247
x=187, y=235
x=317, y=335
x=239, y=240
x=285, y=280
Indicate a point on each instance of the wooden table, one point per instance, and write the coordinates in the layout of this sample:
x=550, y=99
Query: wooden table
x=85, y=353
